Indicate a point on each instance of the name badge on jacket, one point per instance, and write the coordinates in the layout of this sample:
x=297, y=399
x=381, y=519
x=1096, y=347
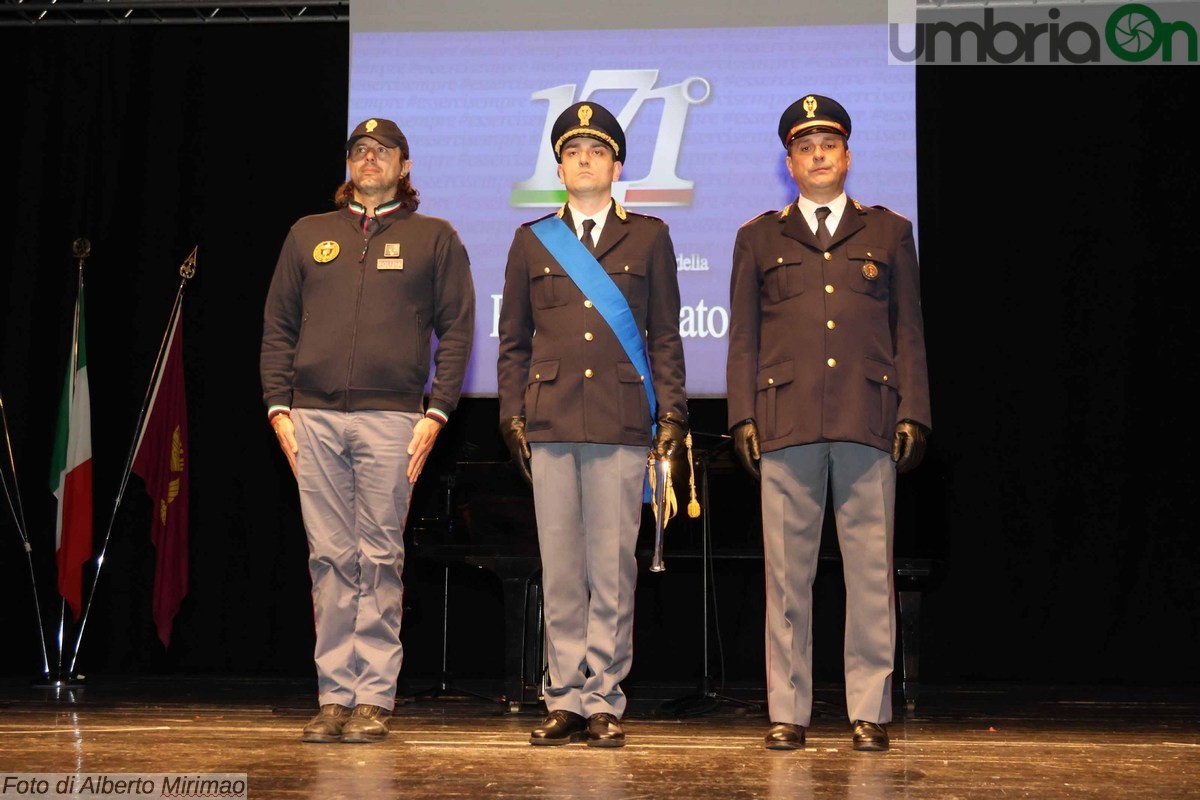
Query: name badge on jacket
x=391, y=257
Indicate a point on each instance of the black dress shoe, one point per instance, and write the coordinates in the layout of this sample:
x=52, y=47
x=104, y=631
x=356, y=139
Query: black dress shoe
x=560, y=727
x=784, y=736
x=326, y=727
x=604, y=730
x=870, y=736
x=367, y=724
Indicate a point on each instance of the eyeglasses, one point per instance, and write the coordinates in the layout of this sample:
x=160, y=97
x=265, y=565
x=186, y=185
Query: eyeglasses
x=359, y=152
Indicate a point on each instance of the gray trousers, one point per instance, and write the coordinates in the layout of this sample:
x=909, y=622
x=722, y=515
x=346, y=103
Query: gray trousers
x=863, y=482
x=354, y=497
x=588, y=501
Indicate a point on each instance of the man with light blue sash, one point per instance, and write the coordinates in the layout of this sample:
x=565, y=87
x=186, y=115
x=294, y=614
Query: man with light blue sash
x=582, y=403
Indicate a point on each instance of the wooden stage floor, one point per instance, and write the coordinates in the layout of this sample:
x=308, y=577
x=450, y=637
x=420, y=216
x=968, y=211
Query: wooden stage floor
x=961, y=742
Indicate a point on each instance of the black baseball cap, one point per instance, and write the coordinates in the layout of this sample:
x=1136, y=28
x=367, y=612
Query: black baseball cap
x=383, y=131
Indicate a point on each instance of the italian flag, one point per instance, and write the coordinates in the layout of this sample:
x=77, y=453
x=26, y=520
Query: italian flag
x=71, y=471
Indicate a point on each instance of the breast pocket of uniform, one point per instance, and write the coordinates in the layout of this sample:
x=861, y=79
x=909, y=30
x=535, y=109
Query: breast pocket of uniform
x=548, y=285
x=783, y=277
x=630, y=278
x=538, y=409
x=870, y=270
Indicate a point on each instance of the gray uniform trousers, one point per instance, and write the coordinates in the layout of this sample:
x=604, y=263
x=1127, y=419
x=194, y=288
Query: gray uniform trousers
x=354, y=497
x=588, y=501
x=794, y=482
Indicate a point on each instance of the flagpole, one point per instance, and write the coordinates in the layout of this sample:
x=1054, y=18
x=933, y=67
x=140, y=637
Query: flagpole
x=186, y=271
x=18, y=512
x=81, y=248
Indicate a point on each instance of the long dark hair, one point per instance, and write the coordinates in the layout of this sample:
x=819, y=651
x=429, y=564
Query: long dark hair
x=409, y=197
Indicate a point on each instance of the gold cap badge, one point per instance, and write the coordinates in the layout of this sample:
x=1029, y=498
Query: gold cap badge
x=372, y=124
x=326, y=251
x=810, y=107
x=585, y=115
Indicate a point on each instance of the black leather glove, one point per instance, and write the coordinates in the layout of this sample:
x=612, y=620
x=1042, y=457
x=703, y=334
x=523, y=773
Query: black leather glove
x=908, y=445
x=513, y=431
x=745, y=444
x=668, y=439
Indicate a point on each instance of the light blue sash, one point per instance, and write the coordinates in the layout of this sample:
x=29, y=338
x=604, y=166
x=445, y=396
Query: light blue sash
x=583, y=268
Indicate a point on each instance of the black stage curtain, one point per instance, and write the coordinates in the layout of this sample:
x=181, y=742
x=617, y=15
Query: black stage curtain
x=1057, y=244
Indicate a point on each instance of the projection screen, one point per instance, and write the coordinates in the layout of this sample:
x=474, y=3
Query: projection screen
x=699, y=91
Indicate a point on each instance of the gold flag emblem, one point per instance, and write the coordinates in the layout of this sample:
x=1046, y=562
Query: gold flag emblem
x=176, y=466
x=176, y=451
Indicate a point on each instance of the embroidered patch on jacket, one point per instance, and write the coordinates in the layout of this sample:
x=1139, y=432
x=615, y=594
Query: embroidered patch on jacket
x=326, y=251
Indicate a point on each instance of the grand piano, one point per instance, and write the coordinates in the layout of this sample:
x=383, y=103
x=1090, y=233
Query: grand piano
x=483, y=516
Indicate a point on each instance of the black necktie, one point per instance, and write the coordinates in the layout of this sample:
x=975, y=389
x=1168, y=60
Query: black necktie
x=823, y=234
x=586, y=238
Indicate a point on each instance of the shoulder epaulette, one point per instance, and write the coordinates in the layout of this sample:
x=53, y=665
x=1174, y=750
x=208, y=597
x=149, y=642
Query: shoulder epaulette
x=544, y=216
x=758, y=217
x=888, y=210
x=623, y=213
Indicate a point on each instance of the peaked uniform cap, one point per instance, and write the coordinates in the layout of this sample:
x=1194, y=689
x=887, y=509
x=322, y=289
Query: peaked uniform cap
x=587, y=119
x=813, y=113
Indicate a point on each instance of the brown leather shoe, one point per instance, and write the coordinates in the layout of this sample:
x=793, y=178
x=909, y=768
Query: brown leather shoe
x=784, y=736
x=559, y=727
x=326, y=727
x=367, y=724
x=604, y=730
x=870, y=736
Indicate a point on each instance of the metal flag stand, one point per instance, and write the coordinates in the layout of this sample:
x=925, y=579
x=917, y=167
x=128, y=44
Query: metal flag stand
x=18, y=513
x=186, y=271
x=706, y=699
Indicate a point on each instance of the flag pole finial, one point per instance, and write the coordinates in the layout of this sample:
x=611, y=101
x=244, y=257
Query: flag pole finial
x=81, y=248
x=188, y=268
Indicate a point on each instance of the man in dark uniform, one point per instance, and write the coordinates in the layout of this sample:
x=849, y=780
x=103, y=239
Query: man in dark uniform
x=577, y=415
x=827, y=389
x=357, y=295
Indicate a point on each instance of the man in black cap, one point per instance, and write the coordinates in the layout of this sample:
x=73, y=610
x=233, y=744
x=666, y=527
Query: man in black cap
x=356, y=295
x=582, y=402
x=827, y=389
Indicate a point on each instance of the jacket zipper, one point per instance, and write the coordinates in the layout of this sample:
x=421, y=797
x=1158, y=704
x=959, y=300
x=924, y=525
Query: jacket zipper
x=362, y=277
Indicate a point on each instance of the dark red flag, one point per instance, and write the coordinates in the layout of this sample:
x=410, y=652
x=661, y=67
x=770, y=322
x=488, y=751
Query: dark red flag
x=161, y=460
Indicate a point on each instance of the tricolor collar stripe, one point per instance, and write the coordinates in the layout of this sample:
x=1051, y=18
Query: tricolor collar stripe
x=387, y=208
